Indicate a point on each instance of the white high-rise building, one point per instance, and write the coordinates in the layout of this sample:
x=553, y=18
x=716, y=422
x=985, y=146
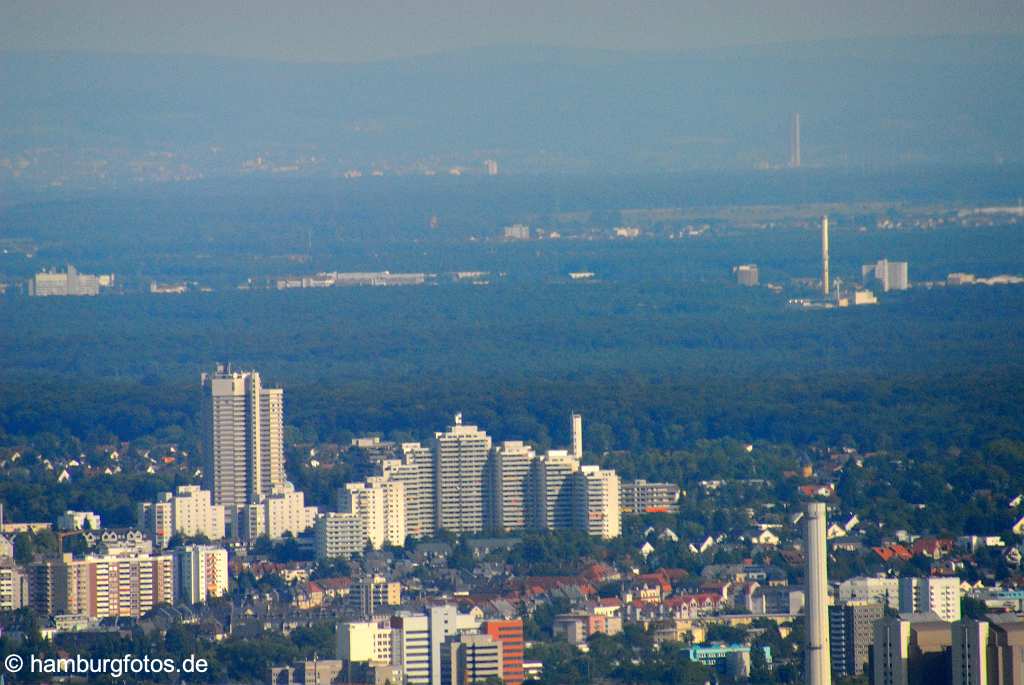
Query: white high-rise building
x=414, y=470
x=281, y=510
x=818, y=666
x=366, y=641
x=243, y=431
x=411, y=647
x=884, y=591
x=380, y=503
x=187, y=512
x=509, y=488
x=460, y=464
x=938, y=595
x=13, y=586
x=339, y=534
x=596, y=508
x=470, y=658
x=202, y=573
x=552, y=488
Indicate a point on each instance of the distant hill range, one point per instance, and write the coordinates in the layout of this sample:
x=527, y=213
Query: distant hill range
x=879, y=102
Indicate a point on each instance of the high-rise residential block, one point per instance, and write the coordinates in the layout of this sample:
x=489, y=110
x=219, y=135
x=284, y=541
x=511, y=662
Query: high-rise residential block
x=552, y=489
x=280, y=510
x=970, y=652
x=411, y=647
x=884, y=591
x=851, y=630
x=366, y=641
x=339, y=534
x=187, y=511
x=460, y=465
x=415, y=470
x=1006, y=642
x=470, y=659
x=510, y=634
x=202, y=573
x=596, y=502
x=910, y=648
x=381, y=503
x=243, y=437
x=368, y=594
x=939, y=595
x=640, y=497
x=509, y=485
x=14, y=593
x=102, y=586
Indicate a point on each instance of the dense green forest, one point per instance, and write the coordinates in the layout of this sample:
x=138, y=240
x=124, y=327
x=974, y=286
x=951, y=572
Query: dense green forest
x=648, y=364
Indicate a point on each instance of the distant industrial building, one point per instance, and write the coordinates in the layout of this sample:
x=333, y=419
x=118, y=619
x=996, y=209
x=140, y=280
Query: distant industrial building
x=70, y=282
x=517, y=232
x=746, y=274
x=888, y=275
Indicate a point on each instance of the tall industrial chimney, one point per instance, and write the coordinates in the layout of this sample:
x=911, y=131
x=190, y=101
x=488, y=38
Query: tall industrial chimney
x=818, y=663
x=794, y=141
x=824, y=255
x=577, y=435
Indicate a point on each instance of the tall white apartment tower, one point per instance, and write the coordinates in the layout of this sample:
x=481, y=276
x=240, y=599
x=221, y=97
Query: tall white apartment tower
x=818, y=666
x=381, y=504
x=551, y=490
x=596, y=507
x=415, y=470
x=510, y=485
x=460, y=466
x=243, y=426
x=577, y=435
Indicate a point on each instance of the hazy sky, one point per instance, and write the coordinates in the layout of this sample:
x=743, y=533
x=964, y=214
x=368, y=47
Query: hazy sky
x=342, y=30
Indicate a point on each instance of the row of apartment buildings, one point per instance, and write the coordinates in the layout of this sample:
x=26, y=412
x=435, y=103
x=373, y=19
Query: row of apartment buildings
x=123, y=580
x=463, y=484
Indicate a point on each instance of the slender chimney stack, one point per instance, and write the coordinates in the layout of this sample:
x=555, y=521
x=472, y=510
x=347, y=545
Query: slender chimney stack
x=818, y=665
x=794, y=141
x=824, y=256
x=577, y=436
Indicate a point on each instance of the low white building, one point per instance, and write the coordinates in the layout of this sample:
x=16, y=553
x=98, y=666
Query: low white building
x=188, y=512
x=282, y=511
x=79, y=520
